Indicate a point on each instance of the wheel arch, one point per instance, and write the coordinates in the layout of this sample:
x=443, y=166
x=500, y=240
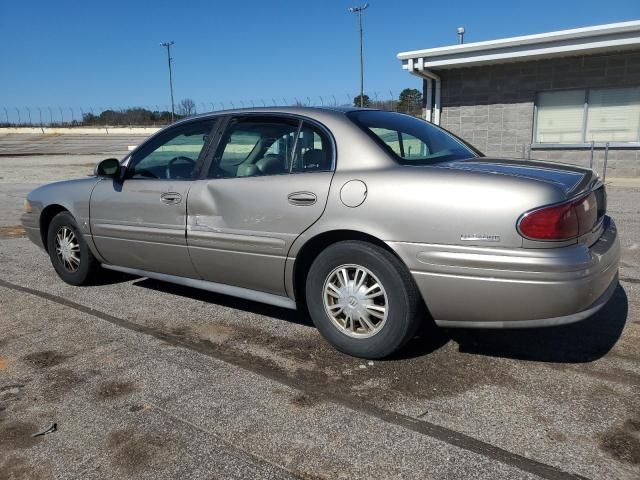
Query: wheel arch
x=46, y=216
x=315, y=245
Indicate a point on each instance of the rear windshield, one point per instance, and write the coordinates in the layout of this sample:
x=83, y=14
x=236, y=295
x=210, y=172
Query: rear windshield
x=410, y=140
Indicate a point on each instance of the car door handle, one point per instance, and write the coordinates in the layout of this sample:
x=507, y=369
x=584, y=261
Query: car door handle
x=302, y=198
x=170, y=198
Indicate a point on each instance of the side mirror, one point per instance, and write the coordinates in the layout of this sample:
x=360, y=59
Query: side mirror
x=108, y=168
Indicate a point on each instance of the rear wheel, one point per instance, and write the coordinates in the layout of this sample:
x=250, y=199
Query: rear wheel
x=362, y=299
x=70, y=255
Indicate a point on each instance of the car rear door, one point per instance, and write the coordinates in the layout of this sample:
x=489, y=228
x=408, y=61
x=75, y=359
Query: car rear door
x=139, y=222
x=267, y=182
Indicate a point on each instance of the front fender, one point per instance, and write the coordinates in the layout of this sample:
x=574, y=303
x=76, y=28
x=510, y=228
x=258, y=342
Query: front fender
x=71, y=195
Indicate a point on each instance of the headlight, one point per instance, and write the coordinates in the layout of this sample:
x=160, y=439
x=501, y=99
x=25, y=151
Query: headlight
x=27, y=206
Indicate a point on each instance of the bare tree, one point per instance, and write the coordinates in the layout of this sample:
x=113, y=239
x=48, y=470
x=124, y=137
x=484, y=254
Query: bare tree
x=187, y=107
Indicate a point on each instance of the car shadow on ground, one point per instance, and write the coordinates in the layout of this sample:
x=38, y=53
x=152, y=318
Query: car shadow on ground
x=580, y=342
x=228, y=301
x=110, y=277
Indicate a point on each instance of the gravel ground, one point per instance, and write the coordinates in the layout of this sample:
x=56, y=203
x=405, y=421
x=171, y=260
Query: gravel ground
x=149, y=380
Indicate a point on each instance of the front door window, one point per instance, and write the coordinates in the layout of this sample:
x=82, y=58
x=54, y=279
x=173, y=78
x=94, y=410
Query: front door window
x=172, y=155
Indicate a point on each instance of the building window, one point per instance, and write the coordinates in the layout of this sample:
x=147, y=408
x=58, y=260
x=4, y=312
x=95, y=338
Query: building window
x=584, y=116
x=613, y=115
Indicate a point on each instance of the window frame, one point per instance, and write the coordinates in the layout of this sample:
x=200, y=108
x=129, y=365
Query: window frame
x=226, y=120
x=585, y=117
x=157, y=140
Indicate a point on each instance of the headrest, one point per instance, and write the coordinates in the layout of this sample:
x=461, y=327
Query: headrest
x=270, y=164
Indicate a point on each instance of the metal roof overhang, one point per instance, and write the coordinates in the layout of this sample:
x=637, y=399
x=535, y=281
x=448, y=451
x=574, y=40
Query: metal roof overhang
x=596, y=39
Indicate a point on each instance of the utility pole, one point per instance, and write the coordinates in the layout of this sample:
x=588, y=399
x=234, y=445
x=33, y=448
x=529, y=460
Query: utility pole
x=358, y=11
x=168, y=46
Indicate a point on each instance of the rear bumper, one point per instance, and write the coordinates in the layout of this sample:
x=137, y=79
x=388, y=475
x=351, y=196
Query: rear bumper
x=540, y=322
x=514, y=288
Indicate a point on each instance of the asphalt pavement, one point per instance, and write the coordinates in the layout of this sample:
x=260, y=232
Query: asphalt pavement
x=150, y=380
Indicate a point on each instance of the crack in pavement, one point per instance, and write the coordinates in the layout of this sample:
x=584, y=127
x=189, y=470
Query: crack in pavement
x=438, y=432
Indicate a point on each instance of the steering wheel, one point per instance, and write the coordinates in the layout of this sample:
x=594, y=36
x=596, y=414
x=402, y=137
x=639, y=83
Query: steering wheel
x=177, y=159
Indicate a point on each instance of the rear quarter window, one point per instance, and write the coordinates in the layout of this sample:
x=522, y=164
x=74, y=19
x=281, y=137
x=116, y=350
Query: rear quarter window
x=412, y=141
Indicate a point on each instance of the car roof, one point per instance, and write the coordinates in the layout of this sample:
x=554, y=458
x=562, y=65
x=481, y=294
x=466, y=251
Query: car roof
x=305, y=111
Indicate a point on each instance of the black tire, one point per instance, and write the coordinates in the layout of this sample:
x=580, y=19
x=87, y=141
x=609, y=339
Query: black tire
x=403, y=301
x=88, y=265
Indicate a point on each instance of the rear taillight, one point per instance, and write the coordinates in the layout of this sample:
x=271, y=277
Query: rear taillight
x=561, y=221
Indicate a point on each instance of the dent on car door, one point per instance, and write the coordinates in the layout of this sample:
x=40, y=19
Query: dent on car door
x=267, y=183
x=139, y=222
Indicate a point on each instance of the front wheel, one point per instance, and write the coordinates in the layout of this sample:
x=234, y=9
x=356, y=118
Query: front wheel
x=70, y=255
x=362, y=299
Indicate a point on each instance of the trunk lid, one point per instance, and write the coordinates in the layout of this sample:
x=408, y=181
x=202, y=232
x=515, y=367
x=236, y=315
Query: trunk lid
x=572, y=180
x=575, y=182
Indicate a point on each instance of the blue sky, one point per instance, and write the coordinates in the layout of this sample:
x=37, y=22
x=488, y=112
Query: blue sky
x=107, y=53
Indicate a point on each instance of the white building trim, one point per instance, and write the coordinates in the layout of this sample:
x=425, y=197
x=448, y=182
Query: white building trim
x=613, y=36
x=577, y=41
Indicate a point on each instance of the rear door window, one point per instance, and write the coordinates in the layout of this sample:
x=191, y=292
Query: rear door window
x=254, y=146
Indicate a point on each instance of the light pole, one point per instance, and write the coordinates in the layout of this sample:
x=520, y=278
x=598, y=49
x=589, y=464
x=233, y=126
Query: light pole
x=358, y=11
x=168, y=47
x=460, y=35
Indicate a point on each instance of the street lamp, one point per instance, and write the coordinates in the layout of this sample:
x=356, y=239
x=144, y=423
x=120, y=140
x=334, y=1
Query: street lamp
x=168, y=47
x=358, y=11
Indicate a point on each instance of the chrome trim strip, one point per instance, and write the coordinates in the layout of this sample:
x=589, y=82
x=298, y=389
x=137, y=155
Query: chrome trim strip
x=541, y=322
x=198, y=232
x=240, y=252
x=150, y=241
x=116, y=228
x=247, y=294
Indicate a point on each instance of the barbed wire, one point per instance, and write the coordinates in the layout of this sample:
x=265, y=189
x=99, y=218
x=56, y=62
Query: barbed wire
x=160, y=114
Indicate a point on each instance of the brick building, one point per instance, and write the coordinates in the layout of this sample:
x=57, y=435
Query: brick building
x=550, y=95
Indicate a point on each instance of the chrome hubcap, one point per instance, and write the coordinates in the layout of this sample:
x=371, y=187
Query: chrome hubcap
x=355, y=301
x=68, y=249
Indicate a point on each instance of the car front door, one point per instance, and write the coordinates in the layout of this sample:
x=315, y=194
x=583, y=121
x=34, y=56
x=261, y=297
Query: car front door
x=139, y=221
x=267, y=182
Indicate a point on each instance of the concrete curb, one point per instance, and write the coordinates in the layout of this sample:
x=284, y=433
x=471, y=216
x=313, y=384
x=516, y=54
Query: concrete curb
x=79, y=130
x=623, y=182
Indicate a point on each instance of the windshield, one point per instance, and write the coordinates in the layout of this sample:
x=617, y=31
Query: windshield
x=410, y=140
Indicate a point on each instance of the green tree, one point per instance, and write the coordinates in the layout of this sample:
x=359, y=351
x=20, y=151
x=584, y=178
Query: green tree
x=410, y=101
x=366, y=101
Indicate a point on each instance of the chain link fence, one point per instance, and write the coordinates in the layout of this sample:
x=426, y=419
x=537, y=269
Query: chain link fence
x=160, y=114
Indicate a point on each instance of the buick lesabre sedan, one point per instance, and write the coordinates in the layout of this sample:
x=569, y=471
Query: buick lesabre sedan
x=371, y=221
